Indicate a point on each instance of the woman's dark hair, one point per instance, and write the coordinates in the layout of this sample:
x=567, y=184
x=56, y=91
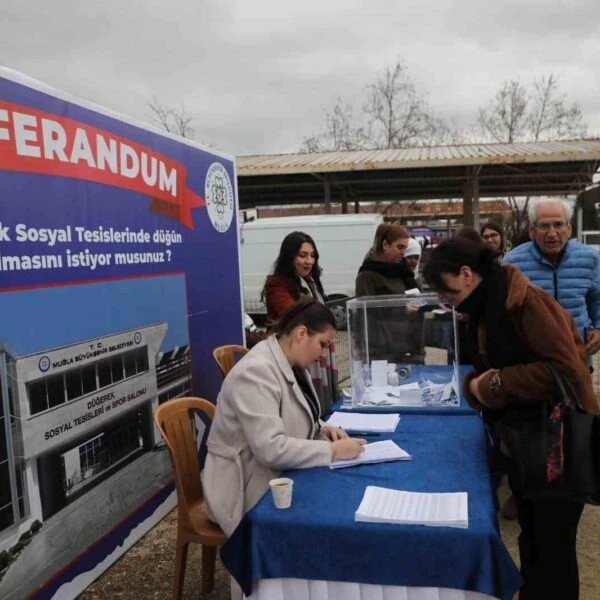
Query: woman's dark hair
x=449, y=256
x=470, y=233
x=284, y=265
x=494, y=227
x=306, y=311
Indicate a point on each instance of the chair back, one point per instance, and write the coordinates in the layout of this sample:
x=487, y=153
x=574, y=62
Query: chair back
x=228, y=356
x=176, y=423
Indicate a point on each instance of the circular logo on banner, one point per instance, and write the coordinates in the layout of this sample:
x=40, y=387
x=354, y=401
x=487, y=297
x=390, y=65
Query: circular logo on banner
x=218, y=193
x=44, y=364
x=137, y=337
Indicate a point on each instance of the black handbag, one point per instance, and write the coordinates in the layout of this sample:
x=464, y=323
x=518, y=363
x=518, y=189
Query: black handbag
x=553, y=447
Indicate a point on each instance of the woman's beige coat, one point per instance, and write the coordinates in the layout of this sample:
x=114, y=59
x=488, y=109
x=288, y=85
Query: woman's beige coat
x=262, y=425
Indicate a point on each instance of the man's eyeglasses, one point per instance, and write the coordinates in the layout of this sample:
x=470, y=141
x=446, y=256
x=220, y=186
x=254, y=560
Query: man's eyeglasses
x=490, y=236
x=556, y=225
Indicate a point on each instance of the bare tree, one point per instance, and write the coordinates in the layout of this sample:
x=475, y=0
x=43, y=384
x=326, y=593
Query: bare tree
x=397, y=114
x=394, y=115
x=550, y=117
x=537, y=113
x=505, y=117
x=173, y=120
x=340, y=131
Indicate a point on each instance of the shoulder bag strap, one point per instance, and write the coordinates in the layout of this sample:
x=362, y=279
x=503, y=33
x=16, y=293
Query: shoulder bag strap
x=564, y=385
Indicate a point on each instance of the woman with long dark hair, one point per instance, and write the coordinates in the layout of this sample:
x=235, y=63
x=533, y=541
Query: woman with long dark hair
x=296, y=273
x=493, y=235
x=517, y=329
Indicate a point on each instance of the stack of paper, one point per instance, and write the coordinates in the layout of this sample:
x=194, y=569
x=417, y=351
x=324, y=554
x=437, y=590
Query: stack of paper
x=376, y=452
x=365, y=422
x=382, y=505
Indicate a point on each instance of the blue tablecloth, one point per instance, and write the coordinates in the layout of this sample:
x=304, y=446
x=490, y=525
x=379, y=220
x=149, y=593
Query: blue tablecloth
x=317, y=538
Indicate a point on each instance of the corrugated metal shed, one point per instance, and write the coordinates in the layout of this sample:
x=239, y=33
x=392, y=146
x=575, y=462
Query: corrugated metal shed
x=406, y=158
x=440, y=172
x=406, y=210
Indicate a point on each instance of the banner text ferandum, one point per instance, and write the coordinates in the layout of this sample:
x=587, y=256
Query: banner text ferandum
x=39, y=142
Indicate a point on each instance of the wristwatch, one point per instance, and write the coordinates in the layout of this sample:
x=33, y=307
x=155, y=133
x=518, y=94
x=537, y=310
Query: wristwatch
x=495, y=383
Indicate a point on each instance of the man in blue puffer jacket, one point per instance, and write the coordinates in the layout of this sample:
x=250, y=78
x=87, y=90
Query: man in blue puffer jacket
x=568, y=270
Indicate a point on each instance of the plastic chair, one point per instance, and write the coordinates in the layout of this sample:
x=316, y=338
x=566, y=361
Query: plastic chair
x=227, y=356
x=175, y=420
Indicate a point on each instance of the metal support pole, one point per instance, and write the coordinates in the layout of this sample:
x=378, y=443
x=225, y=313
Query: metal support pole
x=475, y=192
x=468, y=200
x=327, y=190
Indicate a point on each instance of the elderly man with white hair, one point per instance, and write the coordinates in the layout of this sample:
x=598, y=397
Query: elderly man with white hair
x=565, y=268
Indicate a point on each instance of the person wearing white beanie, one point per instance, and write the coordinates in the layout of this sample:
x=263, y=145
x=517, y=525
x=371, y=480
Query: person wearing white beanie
x=412, y=256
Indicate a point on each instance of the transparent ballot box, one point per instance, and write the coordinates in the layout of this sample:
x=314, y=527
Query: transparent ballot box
x=403, y=352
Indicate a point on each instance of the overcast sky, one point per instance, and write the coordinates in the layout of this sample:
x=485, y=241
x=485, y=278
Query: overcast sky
x=257, y=75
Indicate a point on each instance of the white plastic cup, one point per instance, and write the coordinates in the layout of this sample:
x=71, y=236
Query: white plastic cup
x=281, y=489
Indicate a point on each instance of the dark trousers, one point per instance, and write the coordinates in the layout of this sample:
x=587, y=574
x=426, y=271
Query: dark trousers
x=548, y=548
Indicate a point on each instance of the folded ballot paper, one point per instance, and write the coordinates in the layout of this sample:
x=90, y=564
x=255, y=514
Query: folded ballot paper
x=376, y=452
x=383, y=505
x=386, y=423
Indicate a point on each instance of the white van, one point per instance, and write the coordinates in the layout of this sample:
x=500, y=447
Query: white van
x=342, y=241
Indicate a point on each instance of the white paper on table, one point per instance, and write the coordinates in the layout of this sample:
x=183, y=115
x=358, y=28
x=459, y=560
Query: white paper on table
x=388, y=395
x=455, y=384
x=385, y=423
x=379, y=372
x=412, y=292
x=446, y=392
x=383, y=505
x=404, y=387
x=377, y=452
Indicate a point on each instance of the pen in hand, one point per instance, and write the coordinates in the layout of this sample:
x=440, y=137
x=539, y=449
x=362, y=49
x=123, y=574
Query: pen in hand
x=362, y=433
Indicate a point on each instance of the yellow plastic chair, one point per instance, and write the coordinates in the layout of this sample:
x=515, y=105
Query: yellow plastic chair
x=175, y=420
x=228, y=356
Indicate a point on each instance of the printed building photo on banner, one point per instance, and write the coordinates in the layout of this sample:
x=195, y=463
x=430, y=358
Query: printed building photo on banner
x=119, y=274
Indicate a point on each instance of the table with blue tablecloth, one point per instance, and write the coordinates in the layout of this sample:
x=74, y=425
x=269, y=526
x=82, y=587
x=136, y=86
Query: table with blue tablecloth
x=317, y=539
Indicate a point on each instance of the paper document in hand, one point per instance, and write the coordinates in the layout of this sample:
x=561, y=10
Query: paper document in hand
x=365, y=422
x=383, y=505
x=376, y=452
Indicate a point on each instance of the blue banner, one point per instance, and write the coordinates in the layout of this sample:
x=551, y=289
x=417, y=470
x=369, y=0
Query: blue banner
x=119, y=274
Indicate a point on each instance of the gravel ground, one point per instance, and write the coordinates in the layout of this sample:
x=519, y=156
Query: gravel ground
x=145, y=572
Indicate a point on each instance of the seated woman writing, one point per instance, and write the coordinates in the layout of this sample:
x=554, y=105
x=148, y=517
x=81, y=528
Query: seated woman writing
x=267, y=417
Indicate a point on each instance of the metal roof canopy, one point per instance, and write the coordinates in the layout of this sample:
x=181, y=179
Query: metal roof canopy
x=467, y=171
